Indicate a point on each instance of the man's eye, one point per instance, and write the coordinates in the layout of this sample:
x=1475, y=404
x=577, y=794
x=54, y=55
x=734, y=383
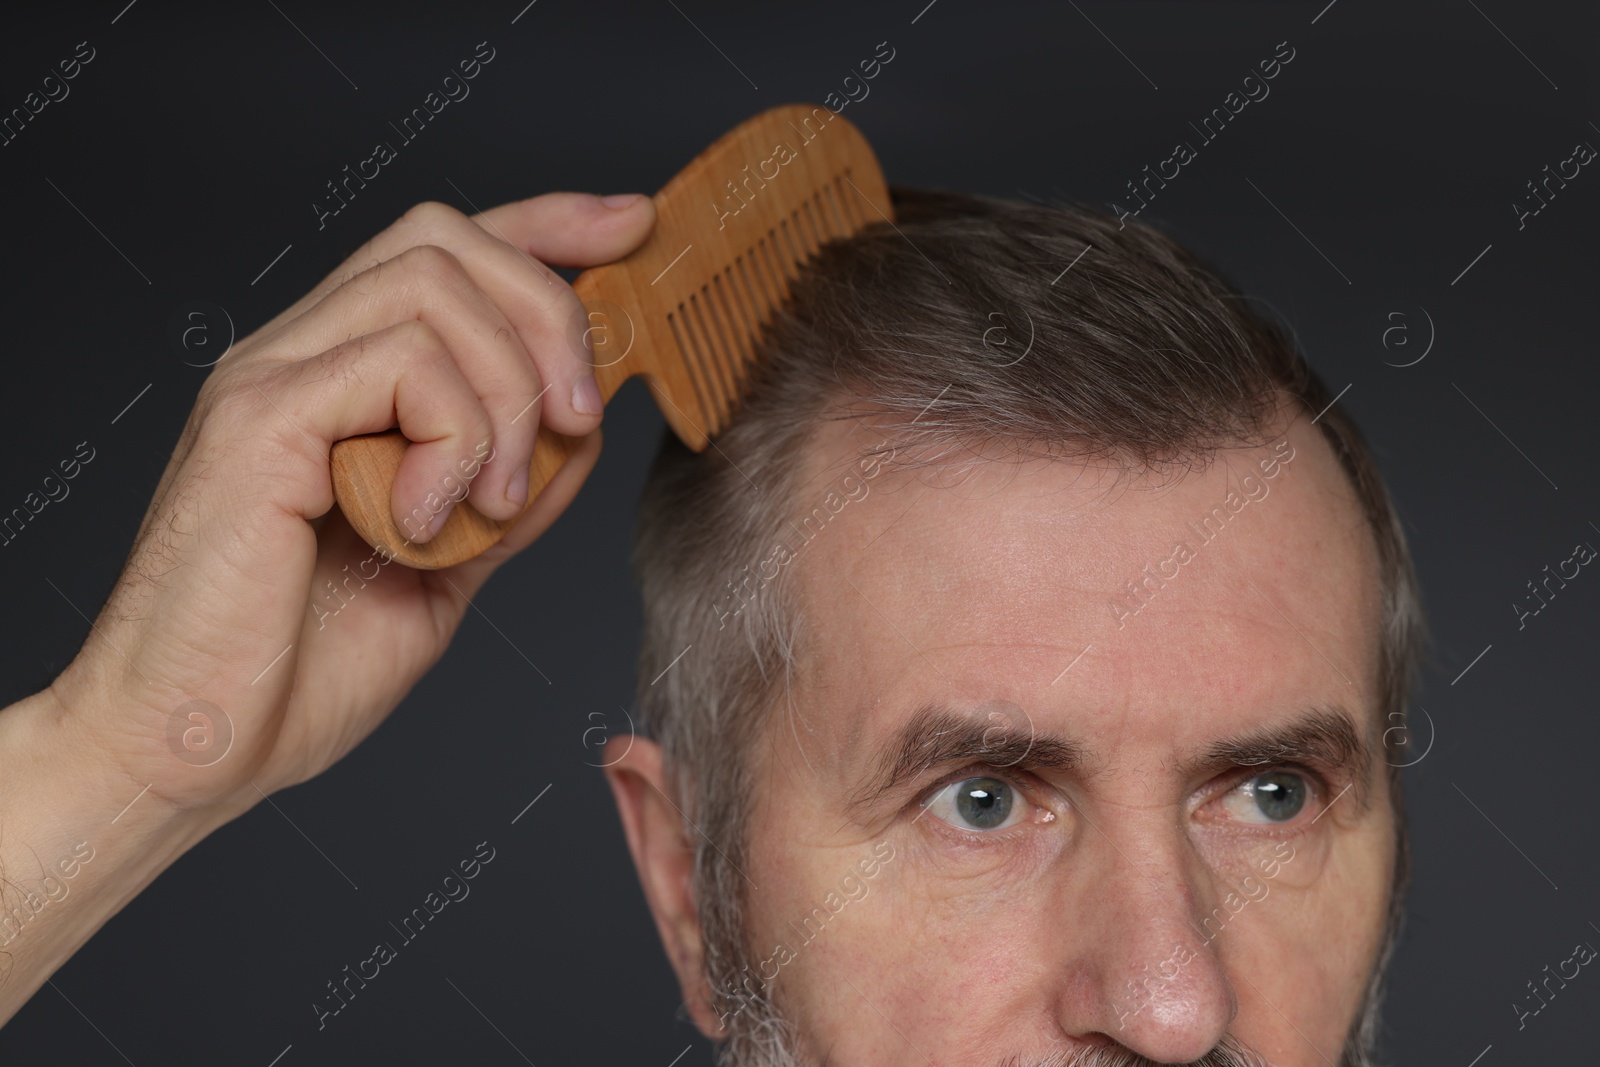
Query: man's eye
x=1274, y=797
x=977, y=804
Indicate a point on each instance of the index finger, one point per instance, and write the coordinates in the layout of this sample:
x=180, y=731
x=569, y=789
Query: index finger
x=564, y=229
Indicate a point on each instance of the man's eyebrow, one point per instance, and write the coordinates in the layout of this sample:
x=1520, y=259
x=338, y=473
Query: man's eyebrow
x=936, y=736
x=1326, y=737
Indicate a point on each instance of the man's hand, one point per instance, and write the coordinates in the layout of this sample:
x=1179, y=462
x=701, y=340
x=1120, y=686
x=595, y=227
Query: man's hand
x=248, y=593
x=253, y=638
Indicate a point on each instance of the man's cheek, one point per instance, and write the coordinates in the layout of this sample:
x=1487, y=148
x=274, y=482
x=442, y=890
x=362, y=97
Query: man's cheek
x=1309, y=987
x=947, y=987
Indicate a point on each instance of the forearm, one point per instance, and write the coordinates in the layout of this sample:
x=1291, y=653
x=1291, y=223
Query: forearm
x=77, y=842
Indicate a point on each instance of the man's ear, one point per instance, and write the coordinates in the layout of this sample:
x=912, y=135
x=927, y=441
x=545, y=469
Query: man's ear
x=664, y=858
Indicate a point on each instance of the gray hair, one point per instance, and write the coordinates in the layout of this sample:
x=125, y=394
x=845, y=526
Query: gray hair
x=1138, y=354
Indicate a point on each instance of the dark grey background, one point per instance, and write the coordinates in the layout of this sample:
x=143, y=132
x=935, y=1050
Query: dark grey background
x=195, y=143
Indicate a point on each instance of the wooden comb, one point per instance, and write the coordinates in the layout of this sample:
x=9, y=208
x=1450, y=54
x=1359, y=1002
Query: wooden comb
x=685, y=309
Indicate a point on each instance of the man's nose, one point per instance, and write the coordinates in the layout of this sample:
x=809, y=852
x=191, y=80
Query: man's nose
x=1144, y=975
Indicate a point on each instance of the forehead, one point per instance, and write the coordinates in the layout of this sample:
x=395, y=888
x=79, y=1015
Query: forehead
x=1157, y=612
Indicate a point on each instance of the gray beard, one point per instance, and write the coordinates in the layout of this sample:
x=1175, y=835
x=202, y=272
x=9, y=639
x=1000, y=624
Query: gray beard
x=758, y=1035
x=766, y=1041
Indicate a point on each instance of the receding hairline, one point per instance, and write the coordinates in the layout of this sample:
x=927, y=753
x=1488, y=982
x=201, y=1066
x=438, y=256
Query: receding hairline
x=1344, y=738
x=896, y=442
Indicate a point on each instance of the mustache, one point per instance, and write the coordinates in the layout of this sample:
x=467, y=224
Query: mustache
x=1229, y=1053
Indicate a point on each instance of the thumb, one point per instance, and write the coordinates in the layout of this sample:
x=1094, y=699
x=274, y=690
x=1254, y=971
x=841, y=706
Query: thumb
x=573, y=229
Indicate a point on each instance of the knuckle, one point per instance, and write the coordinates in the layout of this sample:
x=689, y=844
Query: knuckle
x=424, y=347
x=432, y=261
x=428, y=217
x=421, y=338
x=225, y=403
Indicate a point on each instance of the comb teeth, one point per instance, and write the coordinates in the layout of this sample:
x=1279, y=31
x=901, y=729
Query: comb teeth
x=692, y=329
x=698, y=325
x=717, y=326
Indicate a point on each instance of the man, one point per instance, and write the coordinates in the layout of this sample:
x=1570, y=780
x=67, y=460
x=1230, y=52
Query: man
x=1042, y=643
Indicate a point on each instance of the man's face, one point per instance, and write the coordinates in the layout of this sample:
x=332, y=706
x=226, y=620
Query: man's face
x=1015, y=806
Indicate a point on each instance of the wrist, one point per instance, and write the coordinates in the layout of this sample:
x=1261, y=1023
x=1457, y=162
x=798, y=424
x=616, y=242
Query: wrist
x=124, y=742
x=77, y=842
x=62, y=780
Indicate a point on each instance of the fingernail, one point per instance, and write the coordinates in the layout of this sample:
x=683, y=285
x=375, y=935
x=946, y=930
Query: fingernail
x=517, y=491
x=586, y=396
x=618, y=201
